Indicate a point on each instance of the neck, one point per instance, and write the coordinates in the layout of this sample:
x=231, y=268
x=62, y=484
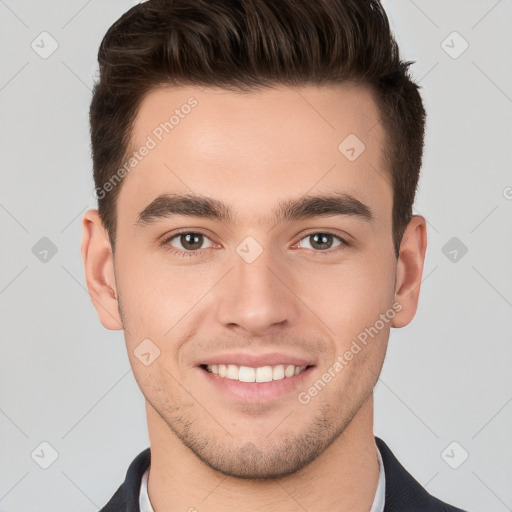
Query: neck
x=343, y=477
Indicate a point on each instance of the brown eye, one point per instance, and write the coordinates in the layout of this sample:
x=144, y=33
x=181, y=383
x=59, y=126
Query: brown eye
x=190, y=241
x=321, y=241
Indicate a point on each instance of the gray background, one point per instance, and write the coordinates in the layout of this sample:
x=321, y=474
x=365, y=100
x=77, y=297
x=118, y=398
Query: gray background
x=66, y=381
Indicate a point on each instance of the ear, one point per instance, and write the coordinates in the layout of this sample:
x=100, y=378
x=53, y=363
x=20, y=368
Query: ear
x=99, y=270
x=410, y=270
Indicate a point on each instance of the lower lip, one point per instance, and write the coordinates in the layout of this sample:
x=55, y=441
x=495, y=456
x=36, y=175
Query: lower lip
x=257, y=391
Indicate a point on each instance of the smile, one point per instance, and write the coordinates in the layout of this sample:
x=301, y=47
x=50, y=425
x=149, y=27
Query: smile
x=259, y=374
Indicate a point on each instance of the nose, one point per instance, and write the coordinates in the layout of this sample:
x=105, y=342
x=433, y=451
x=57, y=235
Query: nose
x=256, y=298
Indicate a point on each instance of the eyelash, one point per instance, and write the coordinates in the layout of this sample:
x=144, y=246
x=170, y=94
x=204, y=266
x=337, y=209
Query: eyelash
x=199, y=252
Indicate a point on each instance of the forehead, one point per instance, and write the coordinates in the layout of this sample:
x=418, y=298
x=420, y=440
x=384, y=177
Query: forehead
x=250, y=149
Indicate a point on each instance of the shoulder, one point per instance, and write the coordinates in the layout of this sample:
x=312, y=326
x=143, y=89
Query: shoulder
x=403, y=492
x=126, y=498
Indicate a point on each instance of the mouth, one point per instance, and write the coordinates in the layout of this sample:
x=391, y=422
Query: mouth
x=259, y=374
x=264, y=383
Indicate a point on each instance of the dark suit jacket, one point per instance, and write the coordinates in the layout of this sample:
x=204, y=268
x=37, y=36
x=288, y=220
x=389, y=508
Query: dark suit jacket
x=403, y=493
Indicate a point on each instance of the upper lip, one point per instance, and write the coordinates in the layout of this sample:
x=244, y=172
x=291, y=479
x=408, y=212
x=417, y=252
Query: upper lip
x=257, y=360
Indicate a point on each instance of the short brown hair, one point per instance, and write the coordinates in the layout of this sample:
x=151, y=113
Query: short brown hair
x=246, y=44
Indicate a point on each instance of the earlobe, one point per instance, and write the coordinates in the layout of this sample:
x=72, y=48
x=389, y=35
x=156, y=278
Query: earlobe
x=99, y=270
x=410, y=270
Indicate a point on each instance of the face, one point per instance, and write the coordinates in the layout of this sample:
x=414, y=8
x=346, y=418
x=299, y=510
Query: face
x=253, y=253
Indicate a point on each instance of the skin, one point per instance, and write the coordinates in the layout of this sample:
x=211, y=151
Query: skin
x=252, y=151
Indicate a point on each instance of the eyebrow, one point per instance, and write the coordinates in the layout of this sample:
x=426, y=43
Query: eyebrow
x=327, y=205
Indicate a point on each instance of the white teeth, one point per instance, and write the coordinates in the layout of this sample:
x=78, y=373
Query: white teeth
x=247, y=374
x=233, y=372
x=278, y=372
x=264, y=374
x=260, y=374
x=289, y=371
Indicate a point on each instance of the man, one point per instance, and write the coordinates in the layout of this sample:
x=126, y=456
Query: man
x=255, y=165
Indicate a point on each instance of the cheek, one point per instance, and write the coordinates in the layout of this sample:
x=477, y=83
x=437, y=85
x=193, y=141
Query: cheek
x=145, y=287
x=347, y=297
x=159, y=298
x=159, y=383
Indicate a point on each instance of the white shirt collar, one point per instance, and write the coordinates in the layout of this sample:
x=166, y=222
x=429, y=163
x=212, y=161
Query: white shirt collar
x=380, y=494
x=144, y=503
x=378, y=502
